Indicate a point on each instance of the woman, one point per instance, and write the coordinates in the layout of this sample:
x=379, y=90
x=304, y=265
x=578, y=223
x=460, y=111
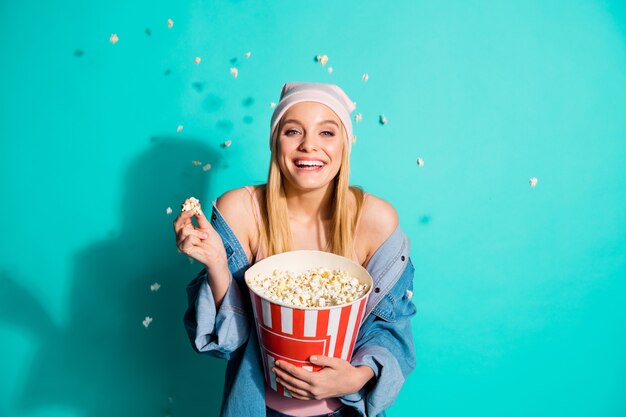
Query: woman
x=307, y=203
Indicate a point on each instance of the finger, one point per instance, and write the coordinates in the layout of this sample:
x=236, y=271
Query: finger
x=191, y=231
x=327, y=361
x=189, y=244
x=291, y=380
x=294, y=391
x=203, y=223
x=296, y=371
x=183, y=219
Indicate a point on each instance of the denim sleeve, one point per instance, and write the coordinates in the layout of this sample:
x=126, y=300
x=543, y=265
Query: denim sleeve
x=385, y=344
x=218, y=333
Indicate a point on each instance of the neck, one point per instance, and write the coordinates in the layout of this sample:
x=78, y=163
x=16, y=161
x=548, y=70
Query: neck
x=309, y=205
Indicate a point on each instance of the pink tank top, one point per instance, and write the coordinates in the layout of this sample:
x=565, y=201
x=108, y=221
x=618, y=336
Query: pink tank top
x=276, y=401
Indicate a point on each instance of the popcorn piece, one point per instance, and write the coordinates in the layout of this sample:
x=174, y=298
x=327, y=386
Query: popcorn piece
x=533, y=181
x=354, y=139
x=113, y=38
x=409, y=294
x=365, y=77
x=170, y=23
x=247, y=54
x=147, y=321
x=192, y=204
x=420, y=162
x=330, y=70
x=207, y=167
x=322, y=59
x=179, y=128
x=234, y=72
x=169, y=210
x=272, y=104
x=197, y=60
x=196, y=163
x=155, y=287
x=317, y=287
x=227, y=143
x=382, y=119
x=358, y=117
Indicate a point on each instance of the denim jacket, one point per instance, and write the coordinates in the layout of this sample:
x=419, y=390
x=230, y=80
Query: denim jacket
x=384, y=342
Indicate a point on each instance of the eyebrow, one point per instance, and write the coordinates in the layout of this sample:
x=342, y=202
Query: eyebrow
x=320, y=123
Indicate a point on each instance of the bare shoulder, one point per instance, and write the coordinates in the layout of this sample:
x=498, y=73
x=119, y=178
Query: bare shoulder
x=236, y=208
x=379, y=219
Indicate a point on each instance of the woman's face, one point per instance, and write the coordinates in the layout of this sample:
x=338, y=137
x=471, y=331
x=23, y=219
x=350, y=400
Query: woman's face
x=310, y=145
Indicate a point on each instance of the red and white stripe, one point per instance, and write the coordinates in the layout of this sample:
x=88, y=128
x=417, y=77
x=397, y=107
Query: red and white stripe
x=293, y=335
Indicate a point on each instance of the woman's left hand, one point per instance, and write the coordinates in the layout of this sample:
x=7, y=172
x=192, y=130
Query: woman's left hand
x=337, y=378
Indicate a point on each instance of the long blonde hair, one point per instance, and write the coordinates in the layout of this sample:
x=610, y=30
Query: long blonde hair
x=275, y=233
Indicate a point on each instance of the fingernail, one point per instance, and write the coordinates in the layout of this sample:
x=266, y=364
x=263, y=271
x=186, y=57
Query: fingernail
x=313, y=358
x=204, y=236
x=277, y=363
x=274, y=370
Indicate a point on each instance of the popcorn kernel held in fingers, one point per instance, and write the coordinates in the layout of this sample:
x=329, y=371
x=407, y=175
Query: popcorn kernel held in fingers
x=192, y=204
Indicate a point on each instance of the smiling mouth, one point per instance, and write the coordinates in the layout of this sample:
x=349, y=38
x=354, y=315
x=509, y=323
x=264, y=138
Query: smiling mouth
x=308, y=165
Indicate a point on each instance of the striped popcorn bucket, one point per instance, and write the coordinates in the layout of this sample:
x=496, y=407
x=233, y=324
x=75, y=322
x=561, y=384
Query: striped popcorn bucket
x=293, y=334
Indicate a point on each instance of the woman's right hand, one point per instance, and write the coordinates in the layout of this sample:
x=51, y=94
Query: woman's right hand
x=203, y=243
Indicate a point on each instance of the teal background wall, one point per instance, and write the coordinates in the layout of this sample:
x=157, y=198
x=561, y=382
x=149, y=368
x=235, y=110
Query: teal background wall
x=520, y=290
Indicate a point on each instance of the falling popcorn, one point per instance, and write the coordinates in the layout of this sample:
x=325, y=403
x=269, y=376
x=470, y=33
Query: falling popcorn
x=409, y=294
x=147, y=321
x=382, y=119
x=234, y=72
x=322, y=59
x=155, y=287
x=113, y=39
x=365, y=77
x=192, y=204
x=206, y=167
x=179, y=128
x=330, y=70
x=247, y=54
x=358, y=117
x=533, y=181
x=272, y=104
x=168, y=210
x=354, y=139
x=197, y=60
x=227, y=144
x=420, y=162
x=196, y=163
x=170, y=23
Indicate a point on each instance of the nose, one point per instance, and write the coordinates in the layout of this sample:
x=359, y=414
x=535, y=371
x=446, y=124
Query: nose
x=308, y=143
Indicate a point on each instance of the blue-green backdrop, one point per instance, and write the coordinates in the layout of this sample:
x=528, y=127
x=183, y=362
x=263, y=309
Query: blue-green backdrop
x=520, y=290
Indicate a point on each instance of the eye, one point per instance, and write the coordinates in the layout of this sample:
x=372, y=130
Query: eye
x=290, y=132
x=328, y=133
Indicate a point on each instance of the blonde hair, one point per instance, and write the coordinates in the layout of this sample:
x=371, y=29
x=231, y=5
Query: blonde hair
x=275, y=233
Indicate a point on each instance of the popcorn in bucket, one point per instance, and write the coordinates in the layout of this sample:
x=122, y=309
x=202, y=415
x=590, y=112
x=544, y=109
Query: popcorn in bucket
x=306, y=303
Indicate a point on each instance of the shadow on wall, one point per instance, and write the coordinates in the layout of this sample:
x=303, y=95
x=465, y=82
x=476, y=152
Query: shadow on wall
x=105, y=362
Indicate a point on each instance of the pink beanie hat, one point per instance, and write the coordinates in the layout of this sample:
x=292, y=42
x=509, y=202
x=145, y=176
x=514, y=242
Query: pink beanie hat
x=329, y=94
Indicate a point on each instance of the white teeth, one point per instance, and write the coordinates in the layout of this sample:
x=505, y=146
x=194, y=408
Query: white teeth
x=309, y=163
